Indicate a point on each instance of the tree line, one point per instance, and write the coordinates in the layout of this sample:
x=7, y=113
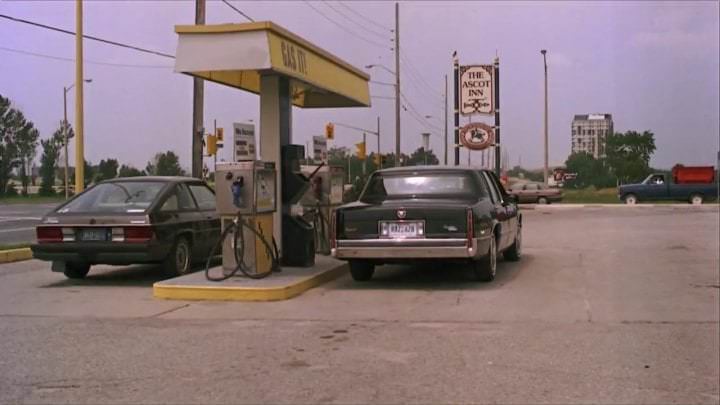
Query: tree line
x=19, y=141
x=626, y=160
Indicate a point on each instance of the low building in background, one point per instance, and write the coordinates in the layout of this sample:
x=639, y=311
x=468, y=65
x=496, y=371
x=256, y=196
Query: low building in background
x=589, y=133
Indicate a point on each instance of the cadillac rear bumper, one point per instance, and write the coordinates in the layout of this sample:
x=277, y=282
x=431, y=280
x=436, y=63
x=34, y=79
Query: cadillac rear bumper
x=410, y=248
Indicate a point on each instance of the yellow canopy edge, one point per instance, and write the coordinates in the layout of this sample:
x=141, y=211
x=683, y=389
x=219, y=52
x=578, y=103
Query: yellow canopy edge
x=237, y=55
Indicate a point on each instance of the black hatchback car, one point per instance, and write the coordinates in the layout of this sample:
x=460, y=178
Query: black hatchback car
x=428, y=213
x=167, y=220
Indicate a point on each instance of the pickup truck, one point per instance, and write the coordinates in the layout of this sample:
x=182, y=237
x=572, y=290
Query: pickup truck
x=659, y=187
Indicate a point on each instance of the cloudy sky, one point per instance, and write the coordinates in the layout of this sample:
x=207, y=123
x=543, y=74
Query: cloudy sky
x=653, y=65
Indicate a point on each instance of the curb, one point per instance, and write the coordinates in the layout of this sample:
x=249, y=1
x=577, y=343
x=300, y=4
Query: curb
x=220, y=293
x=15, y=255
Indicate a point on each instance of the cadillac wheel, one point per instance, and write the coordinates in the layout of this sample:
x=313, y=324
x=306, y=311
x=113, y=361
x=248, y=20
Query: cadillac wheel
x=485, y=268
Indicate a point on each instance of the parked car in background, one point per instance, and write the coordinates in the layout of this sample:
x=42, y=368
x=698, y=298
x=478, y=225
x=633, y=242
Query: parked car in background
x=426, y=213
x=693, y=186
x=166, y=220
x=535, y=193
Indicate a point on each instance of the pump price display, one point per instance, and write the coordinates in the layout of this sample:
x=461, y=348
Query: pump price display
x=402, y=229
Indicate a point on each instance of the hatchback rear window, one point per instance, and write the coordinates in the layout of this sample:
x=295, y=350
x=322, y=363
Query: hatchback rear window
x=420, y=185
x=125, y=197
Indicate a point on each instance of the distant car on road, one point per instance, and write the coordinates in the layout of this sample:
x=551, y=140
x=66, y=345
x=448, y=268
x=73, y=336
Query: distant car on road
x=535, y=193
x=659, y=187
x=167, y=220
x=426, y=213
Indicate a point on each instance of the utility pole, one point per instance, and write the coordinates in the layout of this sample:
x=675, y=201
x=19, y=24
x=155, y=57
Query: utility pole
x=456, y=103
x=498, y=151
x=446, y=123
x=65, y=140
x=198, y=104
x=397, y=84
x=364, y=163
x=378, y=139
x=545, y=167
x=216, y=151
x=79, y=117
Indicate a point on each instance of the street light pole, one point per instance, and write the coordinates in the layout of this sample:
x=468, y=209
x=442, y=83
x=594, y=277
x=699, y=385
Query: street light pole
x=79, y=117
x=397, y=84
x=545, y=167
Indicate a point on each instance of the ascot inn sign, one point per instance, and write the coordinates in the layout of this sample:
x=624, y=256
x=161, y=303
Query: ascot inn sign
x=476, y=89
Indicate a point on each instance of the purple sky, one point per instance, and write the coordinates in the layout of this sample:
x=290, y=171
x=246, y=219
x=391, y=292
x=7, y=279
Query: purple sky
x=653, y=65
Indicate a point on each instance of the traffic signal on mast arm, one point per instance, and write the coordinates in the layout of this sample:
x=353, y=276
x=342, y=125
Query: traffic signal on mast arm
x=211, y=145
x=360, y=150
x=330, y=131
x=220, y=137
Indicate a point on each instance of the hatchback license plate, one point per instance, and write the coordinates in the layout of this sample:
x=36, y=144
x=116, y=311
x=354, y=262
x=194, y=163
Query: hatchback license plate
x=401, y=230
x=99, y=234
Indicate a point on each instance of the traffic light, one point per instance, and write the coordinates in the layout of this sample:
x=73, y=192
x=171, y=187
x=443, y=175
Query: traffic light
x=220, y=135
x=330, y=131
x=360, y=150
x=211, y=145
x=377, y=158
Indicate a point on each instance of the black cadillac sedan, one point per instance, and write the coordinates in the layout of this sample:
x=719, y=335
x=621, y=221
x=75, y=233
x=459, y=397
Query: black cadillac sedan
x=166, y=220
x=427, y=213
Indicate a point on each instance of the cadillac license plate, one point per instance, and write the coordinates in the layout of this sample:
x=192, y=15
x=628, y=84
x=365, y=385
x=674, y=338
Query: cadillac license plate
x=402, y=229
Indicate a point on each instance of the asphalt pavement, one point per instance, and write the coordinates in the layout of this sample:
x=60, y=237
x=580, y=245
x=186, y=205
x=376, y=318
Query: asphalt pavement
x=17, y=221
x=608, y=305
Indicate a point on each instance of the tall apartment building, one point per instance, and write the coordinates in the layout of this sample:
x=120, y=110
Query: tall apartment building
x=589, y=132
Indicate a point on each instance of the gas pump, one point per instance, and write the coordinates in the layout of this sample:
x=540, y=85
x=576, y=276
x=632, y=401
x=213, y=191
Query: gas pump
x=298, y=233
x=245, y=194
x=321, y=200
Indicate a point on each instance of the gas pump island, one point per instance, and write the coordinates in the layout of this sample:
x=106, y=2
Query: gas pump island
x=260, y=198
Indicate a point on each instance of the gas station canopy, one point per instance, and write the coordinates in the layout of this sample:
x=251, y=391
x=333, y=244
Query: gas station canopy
x=237, y=55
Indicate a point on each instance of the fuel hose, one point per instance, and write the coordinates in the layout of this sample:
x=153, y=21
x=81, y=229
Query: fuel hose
x=235, y=231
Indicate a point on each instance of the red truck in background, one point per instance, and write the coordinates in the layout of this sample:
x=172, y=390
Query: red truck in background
x=693, y=174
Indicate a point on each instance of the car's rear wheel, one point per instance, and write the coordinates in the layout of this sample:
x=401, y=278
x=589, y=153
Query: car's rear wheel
x=696, y=199
x=630, y=199
x=542, y=200
x=361, y=271
x=485, y=268
x=76, y=270
x=179, y=261
x=513, y=252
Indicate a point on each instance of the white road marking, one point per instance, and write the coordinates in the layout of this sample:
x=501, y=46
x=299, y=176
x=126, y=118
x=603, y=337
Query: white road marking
x=16, y=230
x=10, y=219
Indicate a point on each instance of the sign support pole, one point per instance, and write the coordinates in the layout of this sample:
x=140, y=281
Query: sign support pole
x=497, y=115
x=456, y=102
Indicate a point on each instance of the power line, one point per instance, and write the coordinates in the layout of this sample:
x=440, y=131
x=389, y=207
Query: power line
x=106, y=41
x=41, y=55
x=382, y=83
x=414, y=110
x=370, y=20
x=362, y=26
x=383, y=97
x=346, y=29
x=418, y=76
x=238, y=10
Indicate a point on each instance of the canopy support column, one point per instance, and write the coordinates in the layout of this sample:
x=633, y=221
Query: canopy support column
x=275, y=131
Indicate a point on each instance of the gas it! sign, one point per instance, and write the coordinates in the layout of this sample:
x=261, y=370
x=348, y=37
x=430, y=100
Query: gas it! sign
x=476, y=89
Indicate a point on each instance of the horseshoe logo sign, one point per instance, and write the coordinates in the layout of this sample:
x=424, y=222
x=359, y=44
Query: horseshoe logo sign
x=477, y=136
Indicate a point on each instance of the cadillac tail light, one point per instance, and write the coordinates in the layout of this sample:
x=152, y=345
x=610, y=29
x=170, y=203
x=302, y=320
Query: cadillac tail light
x=137, y=234
x=470, y=227
x=49, y=234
